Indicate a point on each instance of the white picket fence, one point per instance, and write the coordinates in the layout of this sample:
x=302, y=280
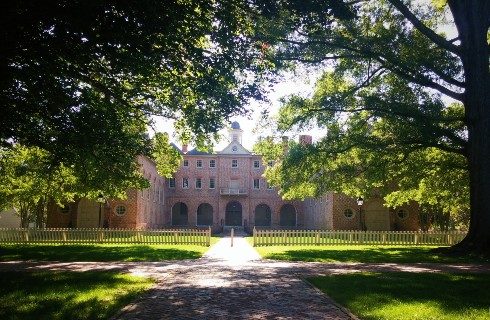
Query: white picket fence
x=353, y=237
x=121, y=236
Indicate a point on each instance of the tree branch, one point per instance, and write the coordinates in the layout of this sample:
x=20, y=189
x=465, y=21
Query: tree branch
x=429, y=33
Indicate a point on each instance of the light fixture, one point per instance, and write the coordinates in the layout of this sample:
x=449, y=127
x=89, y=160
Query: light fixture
x=100, y=198
x=360, y=201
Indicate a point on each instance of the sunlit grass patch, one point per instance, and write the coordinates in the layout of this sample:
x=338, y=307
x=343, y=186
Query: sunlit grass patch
x=397, y=295
x=67, y=295
x=367, y=254
x=100, y=252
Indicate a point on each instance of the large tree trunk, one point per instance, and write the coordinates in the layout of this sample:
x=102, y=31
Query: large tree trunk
x=472, y=19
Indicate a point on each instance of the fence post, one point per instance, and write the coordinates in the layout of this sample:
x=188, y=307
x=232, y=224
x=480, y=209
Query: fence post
x=209, y=237
x=317, y=237
x=231, y=236
x=416, y=239
x=255, y=235
x=26, y=235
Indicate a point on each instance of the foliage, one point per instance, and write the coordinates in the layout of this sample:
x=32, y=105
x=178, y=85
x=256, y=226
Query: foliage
x=380, y=100
x=404, y=295
x=29, y=178
x=165, y=155
x=67, y=295
x=82, y=80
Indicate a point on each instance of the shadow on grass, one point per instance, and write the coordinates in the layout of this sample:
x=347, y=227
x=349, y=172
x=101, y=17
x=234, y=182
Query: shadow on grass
x=66, y=295
x=71, y=253
x=396, y=295
x=369, y=255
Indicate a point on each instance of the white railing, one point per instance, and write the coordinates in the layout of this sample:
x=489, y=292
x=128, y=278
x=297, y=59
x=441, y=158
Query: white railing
x=354, y=237
x=121, y=236
x=232, y=191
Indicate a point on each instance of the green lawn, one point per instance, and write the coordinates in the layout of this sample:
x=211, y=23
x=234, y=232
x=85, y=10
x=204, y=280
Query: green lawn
x=102, y=252
x=67, y=295
x=411, y=296
x=368, y=254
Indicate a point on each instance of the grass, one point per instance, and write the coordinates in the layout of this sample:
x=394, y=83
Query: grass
x=67, y=295
x=101, y=252
x=367, y=254
x=397, y=295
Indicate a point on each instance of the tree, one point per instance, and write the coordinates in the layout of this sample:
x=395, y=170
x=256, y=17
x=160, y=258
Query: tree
x=394, y=62
x=82, y=79
x=28, y=180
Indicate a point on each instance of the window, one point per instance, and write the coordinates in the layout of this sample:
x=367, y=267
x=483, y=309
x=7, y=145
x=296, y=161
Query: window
x=269, y=187
x=234, y=149
x=186, y=163
x=256, y=164
x=256, y=183
x=198, y=183
x=402, y=214
x=212, y=183
x=235, y=137
x=270, y=163
x=349, y=213
x=120, y=210
x=185, y=183
x=199, y=163
x=171, y=183
x=212, y=163
x=234, y=163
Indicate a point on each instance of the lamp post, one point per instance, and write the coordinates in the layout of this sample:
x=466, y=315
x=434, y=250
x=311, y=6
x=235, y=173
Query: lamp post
x=360, y=202
x=100, y=200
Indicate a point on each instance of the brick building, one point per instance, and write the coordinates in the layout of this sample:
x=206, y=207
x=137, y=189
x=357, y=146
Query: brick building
x=227, y=189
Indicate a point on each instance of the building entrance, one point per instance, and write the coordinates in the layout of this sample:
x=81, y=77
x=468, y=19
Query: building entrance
x=233, y=214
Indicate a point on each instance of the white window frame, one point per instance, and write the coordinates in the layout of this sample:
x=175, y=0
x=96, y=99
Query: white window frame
x=213, y=161
x=214, y=183
x=256, y=187
x=171, y=183
x=199, y=163
x=234, y=163
x=258, y=164
x=186, y=163
x=200, y=183
x=185, y=183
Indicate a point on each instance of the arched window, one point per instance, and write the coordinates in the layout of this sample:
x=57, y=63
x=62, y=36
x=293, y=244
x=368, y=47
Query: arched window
x=179, y=214
x=263, y=215
x=287, y=216
x=205, y=214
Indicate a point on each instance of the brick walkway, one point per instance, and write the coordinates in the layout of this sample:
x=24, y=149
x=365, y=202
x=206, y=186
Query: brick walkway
x=233, y=283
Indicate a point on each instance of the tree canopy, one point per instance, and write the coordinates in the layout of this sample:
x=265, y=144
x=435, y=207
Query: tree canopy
x=392, y=69
x=82, y=79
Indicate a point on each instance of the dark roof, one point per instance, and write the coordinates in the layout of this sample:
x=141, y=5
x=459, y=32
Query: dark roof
x=235, y=125
x=196, y=152
x=175, y=147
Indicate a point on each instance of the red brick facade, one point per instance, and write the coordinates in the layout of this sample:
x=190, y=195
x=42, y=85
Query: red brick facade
x=235, y=199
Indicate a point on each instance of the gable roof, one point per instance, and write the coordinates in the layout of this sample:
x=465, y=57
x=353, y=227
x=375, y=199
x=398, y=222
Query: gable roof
x=195, y=152
x=238, y=150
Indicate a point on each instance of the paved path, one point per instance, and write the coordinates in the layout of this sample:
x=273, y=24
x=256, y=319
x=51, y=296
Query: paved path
x=233, y=283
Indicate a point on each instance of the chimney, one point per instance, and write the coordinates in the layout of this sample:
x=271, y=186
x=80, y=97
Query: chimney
x=305, y=139
x=184, y=148
x=285, y=146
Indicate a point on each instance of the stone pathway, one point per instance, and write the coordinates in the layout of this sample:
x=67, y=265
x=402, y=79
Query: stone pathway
x=234, y=283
